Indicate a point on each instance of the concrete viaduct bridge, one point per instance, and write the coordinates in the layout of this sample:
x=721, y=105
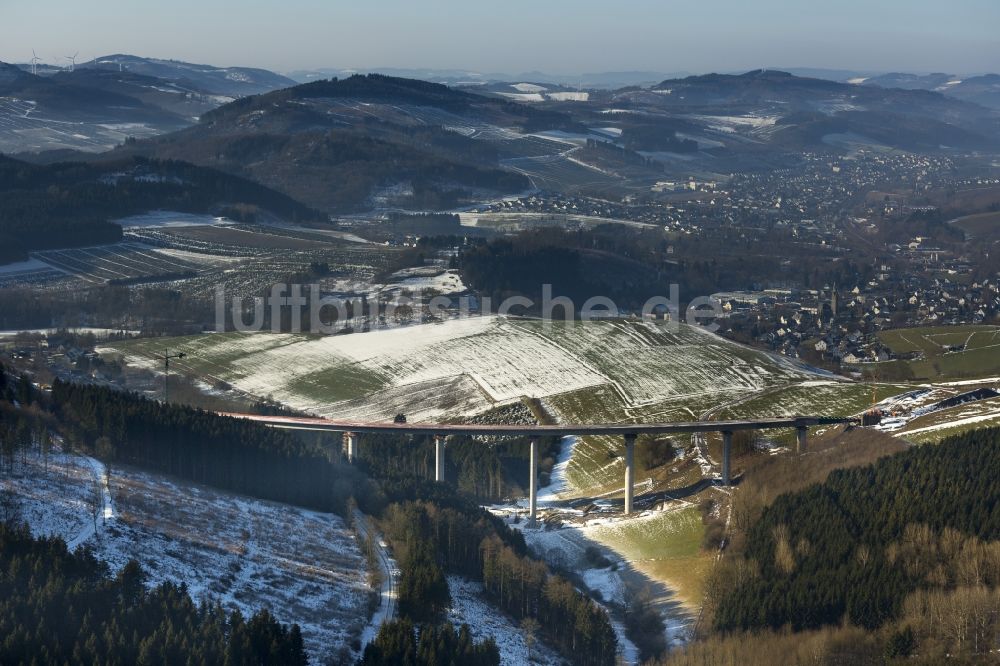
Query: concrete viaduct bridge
x=629, y=431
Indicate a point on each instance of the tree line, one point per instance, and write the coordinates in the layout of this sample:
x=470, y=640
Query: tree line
x=230, y=453
x=631, y=265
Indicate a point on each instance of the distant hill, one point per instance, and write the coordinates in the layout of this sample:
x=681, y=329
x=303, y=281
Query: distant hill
x=361, y=142
x=461, y=77
x=378, y=142
x=781, y=110
x=102, y=103
x=68, y=97
x=175, y=97
x=983, y=90
x=71, y=204
x=906, y=81
x=68, y=111
x=228, y=81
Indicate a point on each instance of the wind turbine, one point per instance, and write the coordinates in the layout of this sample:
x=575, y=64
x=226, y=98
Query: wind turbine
x=72, y=61
x=34, y=62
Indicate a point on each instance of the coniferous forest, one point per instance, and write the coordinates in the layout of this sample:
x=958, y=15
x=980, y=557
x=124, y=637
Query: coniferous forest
x=453, y=535
x=904, y=552
x=853, y=546
x=228, y=453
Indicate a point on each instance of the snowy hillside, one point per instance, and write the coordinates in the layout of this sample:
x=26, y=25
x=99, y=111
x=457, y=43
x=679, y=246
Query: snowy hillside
x=249, y=554
x=459, y=368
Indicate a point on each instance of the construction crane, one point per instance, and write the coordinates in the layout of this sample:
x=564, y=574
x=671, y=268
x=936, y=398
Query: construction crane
x=874, y=387
x=873, y=416
x=166, y=356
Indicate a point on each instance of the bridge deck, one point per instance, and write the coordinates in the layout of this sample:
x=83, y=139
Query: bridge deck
x=307, y=423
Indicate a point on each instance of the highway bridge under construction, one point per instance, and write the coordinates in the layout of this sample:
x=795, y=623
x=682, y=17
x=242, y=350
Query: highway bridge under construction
x=629, y=431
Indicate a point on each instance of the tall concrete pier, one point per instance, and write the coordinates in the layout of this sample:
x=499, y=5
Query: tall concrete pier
x=352, y=446
x=438, y=458
x=727, y=454
x=629, y=471
x=533, y=482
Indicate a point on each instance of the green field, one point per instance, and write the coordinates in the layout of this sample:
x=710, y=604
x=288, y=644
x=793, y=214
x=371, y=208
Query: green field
x=979, y=354
x=981, y=226
x=666, y=546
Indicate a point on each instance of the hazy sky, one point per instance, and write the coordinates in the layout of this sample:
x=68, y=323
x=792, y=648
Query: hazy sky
x=558, y=36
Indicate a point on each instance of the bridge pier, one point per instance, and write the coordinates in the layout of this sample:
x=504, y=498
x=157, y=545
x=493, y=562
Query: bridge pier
x=629, y=471
x=438, y=458
x=533, y=482
x=727, y=452
x=352, y=446
x=802, y=434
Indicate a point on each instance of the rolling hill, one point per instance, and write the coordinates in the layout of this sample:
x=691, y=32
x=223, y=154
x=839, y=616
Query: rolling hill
x=227, y=81
x=377, y=142
x=366, y=141
x=983, y=89
x=65, y=112
x=71, y=204
x=785, y=111
x=100, y=104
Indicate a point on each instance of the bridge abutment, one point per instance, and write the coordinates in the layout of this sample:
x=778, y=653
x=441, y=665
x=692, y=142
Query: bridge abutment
x=802, y=435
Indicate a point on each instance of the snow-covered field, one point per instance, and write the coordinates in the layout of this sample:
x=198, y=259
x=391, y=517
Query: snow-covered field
x=303, y=565
x=524, y=97
x=731, y=124
x=483, y=362
x=572, y=96
x=426, y=279
x=28, y=266
x=528, y=87
x=167, y=219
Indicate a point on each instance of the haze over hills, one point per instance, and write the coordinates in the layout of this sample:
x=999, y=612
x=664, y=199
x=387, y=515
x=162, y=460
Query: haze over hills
x=460, y=77
x=341, y=145
x=377, y=141
x=363, y=142
x=983, y=89
x=228, y=81
x=69, y=110
x=97, y=105
x=806, y=111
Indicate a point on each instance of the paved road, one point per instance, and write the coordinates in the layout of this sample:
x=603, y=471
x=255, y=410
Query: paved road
x=388, y=593
x=310, y=423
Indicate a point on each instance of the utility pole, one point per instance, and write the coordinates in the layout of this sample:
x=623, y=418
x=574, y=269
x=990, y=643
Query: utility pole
x=166, y=356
